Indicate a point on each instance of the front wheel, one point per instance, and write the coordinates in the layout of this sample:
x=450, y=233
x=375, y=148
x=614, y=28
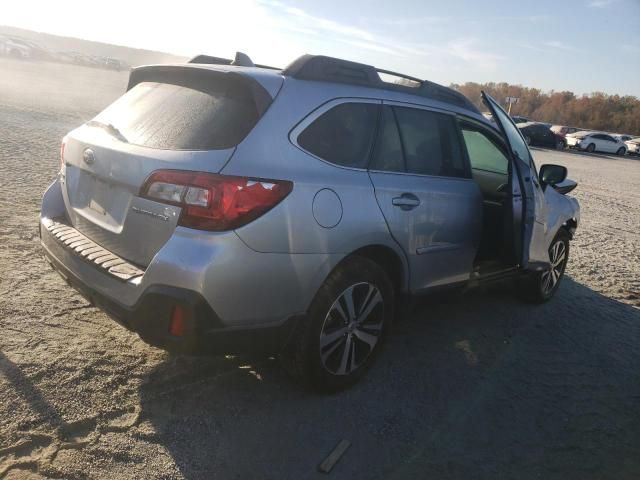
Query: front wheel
x=344, y=328
x=541, y=286
x=621, y=151
x=528, y=140
x=591, y=148
x=560, y=145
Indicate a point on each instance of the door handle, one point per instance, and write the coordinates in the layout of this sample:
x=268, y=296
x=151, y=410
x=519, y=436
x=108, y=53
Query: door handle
x=406, y=201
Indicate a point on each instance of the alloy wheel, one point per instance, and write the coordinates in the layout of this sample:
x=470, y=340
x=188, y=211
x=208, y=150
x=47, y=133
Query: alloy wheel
x=557, y=256
x=352, y=328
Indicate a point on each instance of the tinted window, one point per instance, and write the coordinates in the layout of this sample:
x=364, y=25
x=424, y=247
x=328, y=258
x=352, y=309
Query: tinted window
x=599, y=137
x=484, y=152
x=516, y=141
x=169, y=116
x=388, y=152
x=342, y=135
x=608, y=138
x=430, y=143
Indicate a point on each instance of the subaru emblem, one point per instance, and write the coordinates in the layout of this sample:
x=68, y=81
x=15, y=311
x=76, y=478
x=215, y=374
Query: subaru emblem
x=88, y=156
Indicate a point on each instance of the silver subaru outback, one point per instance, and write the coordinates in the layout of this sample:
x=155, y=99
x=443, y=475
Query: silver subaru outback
x=221, y=206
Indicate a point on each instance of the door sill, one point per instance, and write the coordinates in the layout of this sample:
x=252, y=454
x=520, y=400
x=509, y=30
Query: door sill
x=491, y=271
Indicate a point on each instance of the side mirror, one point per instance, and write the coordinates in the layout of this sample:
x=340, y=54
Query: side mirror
x=552, y=174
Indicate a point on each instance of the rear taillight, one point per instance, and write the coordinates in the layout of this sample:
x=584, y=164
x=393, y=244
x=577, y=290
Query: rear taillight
x=214, y=202
x=62, y=145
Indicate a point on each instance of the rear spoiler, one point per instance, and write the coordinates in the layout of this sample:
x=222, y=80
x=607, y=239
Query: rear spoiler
x=202, y=79
x=241, y=60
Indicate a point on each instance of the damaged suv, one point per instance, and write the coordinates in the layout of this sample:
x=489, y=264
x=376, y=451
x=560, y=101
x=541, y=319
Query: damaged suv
x=225, y=207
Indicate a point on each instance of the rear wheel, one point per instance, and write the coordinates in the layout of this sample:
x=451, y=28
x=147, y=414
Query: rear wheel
x=591, y=148
x=541, y=286
x=621, y=151
x=344, y=329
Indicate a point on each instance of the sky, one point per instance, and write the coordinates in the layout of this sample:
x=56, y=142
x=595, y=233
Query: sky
x=577, y=45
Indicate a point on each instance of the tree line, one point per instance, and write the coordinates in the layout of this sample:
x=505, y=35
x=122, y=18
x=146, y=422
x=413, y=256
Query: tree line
x=596, y=111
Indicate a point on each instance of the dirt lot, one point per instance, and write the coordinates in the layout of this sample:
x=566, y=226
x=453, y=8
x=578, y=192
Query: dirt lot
x=471, y=386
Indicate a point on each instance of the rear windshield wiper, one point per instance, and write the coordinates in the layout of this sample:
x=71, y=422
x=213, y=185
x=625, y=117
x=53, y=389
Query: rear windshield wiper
x=109, y=128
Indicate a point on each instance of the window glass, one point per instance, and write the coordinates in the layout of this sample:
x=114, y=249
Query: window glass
x=484, y=154
x=516, y=141
x=388, y=151
x=169, y=116
x=342, y=135
x=430, y=142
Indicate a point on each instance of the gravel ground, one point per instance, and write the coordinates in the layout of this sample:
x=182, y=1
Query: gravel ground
x=476, y=385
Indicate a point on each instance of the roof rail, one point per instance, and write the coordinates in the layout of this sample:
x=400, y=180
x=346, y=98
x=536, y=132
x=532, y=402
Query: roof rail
x=241, y=59
x=330, y=69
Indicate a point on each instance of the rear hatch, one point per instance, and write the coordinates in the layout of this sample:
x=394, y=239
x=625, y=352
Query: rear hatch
x=172, y=117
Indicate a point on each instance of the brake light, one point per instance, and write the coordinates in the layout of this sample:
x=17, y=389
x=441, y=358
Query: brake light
x=62, y=145
x=214, y=202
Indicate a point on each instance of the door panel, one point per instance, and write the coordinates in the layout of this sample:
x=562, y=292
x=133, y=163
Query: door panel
x=528, y=204
x=435, y=218
x=436, y=221
x=610, y=145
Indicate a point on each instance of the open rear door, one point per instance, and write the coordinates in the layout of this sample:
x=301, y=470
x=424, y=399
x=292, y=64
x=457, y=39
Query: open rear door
x=527, y=200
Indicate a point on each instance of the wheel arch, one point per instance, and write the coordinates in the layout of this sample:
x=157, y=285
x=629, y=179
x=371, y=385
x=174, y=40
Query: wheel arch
x=391, y=261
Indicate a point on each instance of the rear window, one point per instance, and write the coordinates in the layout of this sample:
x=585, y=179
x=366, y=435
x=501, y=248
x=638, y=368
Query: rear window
x=342, y=135
x=179, y=117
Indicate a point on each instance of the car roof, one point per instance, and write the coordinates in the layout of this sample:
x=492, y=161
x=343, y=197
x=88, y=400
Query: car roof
x=339, y=74
x=326, y=69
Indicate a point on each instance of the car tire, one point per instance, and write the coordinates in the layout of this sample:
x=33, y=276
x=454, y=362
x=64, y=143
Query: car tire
x=560, y=145
x=528, y=140
x=621, y=151
x=343, y=331
x=591, y=148
x=539, y=287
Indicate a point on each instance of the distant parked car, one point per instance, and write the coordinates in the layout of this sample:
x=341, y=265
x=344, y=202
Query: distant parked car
x=113, y=64
x=519, y=119
x=633, y=146
x=14, y=48
x=596, y=142
x=19, y=48
x=539, y=135
x=563, y=130
x=624, y=138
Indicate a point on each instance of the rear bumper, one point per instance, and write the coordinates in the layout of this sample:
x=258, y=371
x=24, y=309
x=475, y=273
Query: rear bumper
x=235, y=297
x=204, y=333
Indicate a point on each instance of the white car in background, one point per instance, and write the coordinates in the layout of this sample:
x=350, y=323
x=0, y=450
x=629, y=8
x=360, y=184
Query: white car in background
x=596, y=142
x=623, y=137
x=633, y=146
x=15, y=48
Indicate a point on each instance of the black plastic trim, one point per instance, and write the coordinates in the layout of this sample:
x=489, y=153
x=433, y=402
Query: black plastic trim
x=204, y=333
x=329, y=69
